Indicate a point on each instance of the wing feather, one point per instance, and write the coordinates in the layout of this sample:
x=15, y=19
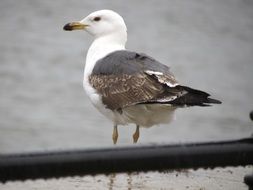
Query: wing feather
x=125, y=78
x=125, y=90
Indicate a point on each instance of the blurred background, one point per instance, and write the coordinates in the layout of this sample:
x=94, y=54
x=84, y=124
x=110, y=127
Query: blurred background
x=207, y=44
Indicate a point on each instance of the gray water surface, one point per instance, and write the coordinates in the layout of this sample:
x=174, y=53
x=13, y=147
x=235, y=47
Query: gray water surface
x=207, y=44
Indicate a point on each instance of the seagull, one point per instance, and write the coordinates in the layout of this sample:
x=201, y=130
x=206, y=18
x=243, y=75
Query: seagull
x=126, y=86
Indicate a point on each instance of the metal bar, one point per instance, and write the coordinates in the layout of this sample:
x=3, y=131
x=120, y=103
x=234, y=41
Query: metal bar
x=126, y=159
x=248, y=179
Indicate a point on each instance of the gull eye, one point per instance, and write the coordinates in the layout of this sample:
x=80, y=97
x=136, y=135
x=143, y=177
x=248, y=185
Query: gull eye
x=97, y=18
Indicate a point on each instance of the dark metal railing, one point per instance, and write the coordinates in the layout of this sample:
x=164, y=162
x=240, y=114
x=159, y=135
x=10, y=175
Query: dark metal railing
x=126, y=159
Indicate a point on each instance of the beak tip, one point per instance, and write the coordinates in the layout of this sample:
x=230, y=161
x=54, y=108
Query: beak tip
x=67, y=27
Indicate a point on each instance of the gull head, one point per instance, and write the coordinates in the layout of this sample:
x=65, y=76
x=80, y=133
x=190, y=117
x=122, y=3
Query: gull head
x=103, y=23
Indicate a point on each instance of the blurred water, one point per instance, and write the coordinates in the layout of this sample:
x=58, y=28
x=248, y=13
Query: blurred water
x=207, y=44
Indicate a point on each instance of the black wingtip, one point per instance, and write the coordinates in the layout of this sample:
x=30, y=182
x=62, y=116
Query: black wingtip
x=213, y=101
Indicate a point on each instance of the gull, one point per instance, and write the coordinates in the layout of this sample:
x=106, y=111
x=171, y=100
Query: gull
x=126, y=86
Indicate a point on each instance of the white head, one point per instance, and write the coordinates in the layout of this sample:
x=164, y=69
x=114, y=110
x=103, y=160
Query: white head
x=103, y=23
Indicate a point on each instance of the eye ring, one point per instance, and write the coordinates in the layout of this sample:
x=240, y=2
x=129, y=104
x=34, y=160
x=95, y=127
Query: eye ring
x=97, y=18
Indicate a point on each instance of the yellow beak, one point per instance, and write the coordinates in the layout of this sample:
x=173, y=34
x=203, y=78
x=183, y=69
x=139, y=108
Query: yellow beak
x=75, y=26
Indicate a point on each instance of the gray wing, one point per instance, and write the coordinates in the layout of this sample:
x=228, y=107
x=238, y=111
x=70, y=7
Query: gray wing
x=126, y=78
x=127, y=62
